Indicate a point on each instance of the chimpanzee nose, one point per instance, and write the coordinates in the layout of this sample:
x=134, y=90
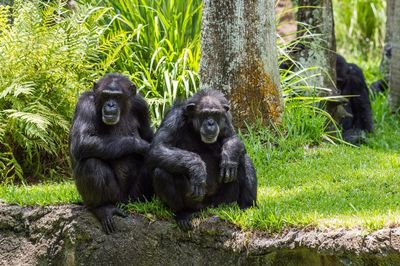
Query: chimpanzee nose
x=210, y=122
x=110, y=104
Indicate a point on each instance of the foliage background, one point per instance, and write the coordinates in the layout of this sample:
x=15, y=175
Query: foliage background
x=51, y=54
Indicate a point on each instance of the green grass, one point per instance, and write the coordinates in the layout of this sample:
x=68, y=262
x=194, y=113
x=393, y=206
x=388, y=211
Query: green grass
x=42, y=194
x=300, y=184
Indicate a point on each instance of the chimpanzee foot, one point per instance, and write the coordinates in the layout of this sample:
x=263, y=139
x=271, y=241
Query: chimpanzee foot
x=105, y=215
x=184, y=220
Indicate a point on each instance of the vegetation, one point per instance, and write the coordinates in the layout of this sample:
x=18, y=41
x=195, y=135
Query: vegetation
x=42, y=194
x=360, y=27
x=52, y=54
x=299, y=184
x=161, y=47
x=49, y=55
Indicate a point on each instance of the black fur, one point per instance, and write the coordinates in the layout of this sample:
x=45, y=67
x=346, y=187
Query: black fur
x=379, y=86
x=351, y=82
x=108, y=159
x=190, y=174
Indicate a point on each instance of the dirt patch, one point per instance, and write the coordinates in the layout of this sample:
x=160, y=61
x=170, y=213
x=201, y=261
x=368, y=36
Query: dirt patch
x=70, y=235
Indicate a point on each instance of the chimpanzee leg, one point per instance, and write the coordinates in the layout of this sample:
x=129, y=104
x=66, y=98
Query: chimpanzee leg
x=172, y=191
x=142, y=188
x=100, y=190
x=97, y=183
x=165, y=187
x=247, y=183
x=227, y=193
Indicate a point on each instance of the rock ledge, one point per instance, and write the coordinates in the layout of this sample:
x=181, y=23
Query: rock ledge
x=70, y=235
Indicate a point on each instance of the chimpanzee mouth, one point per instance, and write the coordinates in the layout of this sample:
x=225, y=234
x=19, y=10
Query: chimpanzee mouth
x=110, y=119
x=209, y=140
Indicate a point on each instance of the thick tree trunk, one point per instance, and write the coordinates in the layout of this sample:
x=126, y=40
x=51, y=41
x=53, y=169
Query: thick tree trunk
x=315, y=17
x=390, y=5
x=394, y=80
x=70, y=235
x=239, y=58
x=384, y=66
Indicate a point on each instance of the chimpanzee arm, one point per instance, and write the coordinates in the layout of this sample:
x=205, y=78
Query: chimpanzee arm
x=141, y=111
x=108, y=148
x=165, y=155
x=232, y=150
x=86, y=143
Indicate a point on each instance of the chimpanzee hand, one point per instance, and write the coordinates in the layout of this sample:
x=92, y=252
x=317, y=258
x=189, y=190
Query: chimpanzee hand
x=105, y=215
x=141, y=146
x=228, y=170
x=197, y=187
x=232, y=150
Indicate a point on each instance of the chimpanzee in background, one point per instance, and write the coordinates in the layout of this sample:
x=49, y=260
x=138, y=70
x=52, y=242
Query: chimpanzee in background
x=199, y=161
x=109, y=139
x=351, y=82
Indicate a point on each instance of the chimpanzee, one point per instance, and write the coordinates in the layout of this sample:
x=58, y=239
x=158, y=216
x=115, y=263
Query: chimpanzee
x=379, y=86
x=109, y=140
x=351, y=82
x=198, y=160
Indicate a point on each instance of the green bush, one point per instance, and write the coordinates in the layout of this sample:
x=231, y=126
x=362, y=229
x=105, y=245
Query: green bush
x=360, y=27
x=47, y=57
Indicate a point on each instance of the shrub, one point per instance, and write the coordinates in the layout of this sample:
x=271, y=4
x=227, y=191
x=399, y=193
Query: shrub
x=47, y=55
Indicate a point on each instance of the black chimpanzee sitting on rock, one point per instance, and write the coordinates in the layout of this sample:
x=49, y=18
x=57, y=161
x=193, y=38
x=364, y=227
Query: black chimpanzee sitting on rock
x=198, y=159
x=109, y=139
x=351, y=82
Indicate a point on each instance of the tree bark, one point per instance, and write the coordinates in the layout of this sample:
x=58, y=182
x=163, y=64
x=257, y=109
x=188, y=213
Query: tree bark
x=384, y=66
x=316, y=17
x=390, y=5
x=239, y=58
x=394, y=79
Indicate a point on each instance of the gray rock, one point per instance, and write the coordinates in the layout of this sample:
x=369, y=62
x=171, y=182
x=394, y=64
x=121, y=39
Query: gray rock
x=70, y=235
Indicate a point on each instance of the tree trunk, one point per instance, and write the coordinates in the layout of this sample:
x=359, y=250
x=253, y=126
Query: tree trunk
x=394, y=80
x=384, y=66
x=390, y=5
x=316, y=17
x=239, y=58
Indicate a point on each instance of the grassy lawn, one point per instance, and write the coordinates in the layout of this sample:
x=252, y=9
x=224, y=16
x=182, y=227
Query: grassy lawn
x=299, y=185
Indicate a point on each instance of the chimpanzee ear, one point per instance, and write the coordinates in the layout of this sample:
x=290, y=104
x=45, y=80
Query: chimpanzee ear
x=95, y=86
x=132, y=88
x=190, y=108
x=226, y=107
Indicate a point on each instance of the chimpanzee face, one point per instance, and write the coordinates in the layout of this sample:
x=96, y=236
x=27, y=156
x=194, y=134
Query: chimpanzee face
x=112, y=97
x=342, y=70
x=208, y=118
x=111, y=107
